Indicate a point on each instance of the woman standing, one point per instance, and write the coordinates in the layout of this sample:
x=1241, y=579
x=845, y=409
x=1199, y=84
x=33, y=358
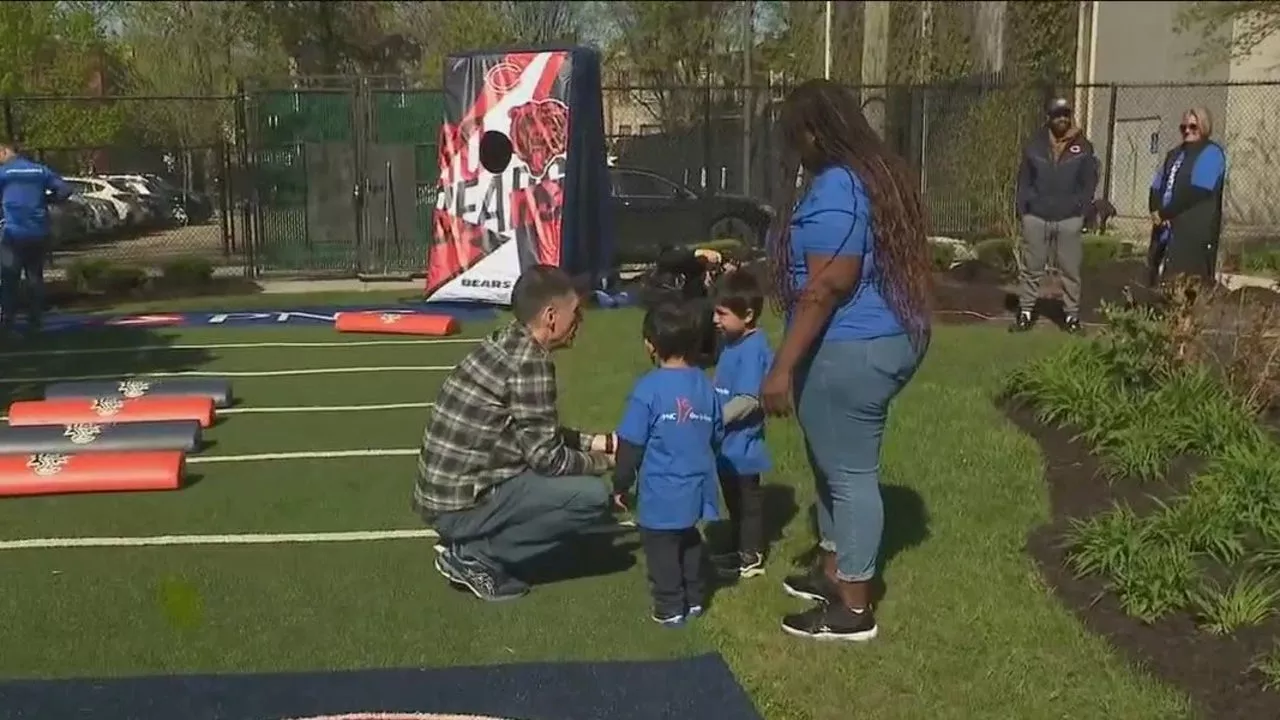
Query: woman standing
x=853, y=276
x=1186, y=203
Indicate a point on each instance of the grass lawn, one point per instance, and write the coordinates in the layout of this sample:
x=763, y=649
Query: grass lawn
x=967, y=629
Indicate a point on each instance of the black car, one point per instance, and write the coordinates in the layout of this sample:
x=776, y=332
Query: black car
x=651, y=211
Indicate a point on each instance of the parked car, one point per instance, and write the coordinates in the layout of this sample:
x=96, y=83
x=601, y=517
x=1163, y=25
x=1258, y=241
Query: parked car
x=198, y=206
x=127, y=204
x=103, y=218
x=165, y=208
x=651, y=211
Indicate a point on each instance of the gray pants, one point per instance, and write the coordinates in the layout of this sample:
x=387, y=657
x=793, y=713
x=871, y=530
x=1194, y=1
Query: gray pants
x=1039, y=239
x=524, y=517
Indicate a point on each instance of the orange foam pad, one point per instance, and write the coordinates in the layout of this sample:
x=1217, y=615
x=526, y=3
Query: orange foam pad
x=395, y=323
x=149, y=408
x=56, y=473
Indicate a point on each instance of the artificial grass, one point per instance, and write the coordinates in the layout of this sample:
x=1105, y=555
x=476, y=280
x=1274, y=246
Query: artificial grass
x=967, y=628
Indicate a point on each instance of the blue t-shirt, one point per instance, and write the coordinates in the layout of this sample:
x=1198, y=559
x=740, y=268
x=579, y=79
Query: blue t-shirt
x=741, y=371
x=23, y=188
x=833, y=219
x=673, y=414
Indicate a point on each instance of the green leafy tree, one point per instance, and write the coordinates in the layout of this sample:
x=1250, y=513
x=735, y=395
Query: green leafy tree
x=1228, y=30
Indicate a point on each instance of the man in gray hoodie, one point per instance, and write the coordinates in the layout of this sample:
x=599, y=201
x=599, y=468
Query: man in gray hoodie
x=1056, y=182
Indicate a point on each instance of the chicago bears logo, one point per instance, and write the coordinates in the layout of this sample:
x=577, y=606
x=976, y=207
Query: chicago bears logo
x=503, y=77
x=390, y=318
x=539, y=133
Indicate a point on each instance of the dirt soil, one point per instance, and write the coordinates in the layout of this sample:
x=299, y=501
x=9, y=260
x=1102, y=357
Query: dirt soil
x=1214, y=671
x=63, y=297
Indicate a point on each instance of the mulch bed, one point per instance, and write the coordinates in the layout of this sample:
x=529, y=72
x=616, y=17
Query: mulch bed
x=1215, y=671
x=63, y=297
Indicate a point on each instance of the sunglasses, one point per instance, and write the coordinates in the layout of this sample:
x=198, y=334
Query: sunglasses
x=1191, y=127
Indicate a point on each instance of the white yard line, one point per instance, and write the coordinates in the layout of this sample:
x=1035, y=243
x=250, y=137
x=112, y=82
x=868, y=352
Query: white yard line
x=55, y=543
x=319, y=455
x=234, y=373
x=323, y=408
x=232, y=346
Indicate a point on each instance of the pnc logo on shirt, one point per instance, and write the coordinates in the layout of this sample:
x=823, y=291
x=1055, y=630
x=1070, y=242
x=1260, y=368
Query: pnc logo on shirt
x=684, y=413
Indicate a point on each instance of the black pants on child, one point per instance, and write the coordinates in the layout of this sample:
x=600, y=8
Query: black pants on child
x=674, y=558
x=745, y=502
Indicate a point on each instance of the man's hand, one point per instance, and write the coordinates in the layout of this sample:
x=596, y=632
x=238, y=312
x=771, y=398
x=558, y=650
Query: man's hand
x=620, y=503
x=1156, y=220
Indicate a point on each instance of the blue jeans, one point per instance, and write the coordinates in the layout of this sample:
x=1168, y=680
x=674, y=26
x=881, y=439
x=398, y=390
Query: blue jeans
x=842, y=401
x=521, y=518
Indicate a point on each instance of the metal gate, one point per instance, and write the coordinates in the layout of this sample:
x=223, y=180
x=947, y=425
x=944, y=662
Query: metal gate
x=343, y=178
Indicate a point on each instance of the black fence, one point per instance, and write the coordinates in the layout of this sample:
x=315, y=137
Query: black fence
x=337, y=176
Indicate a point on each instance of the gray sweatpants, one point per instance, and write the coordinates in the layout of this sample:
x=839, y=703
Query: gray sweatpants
x=1039, y=239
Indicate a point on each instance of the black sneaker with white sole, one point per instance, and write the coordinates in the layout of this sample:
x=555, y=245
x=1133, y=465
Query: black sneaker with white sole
x=832, y=621
x=813, y=585
x=1072, y=324
x=1023, y=322
x=485, y=582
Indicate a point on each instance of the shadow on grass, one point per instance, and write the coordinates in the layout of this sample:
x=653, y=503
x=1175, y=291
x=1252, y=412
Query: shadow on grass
x=906, y=525
x=582, y=556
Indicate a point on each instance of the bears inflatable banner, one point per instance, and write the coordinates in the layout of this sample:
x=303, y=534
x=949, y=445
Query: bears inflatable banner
x=523, y=174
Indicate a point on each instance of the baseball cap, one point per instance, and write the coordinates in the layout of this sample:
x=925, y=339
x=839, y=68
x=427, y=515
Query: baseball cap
x=1059, y=106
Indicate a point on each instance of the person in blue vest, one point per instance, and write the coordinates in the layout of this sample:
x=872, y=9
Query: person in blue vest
x=26, y=188
x=1186, y=204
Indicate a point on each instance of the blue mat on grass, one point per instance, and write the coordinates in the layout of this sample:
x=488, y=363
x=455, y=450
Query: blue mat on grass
x=695, y=688
x=271, y=318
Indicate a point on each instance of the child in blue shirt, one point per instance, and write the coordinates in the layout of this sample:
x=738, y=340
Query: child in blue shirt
x=667, y=441
x=744, y=361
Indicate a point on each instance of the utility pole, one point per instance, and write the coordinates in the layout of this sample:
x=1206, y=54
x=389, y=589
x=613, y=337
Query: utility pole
x=875, y=61
x=748, y=104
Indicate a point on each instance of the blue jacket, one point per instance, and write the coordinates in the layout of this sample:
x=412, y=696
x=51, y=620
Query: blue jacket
x=24, y=189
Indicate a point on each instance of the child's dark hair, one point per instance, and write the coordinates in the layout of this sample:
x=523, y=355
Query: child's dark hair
x=740, y=292
x=674, y=328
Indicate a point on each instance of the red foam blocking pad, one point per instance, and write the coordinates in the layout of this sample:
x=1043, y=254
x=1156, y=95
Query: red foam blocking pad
x=58, y=473
x=70, y=411
x=396, y=323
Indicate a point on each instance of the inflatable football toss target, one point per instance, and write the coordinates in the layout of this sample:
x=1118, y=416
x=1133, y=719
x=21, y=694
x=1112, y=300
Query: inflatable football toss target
x=523, y=175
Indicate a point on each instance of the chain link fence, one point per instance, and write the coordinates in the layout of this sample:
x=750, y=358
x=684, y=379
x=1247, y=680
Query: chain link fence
x=338, y=176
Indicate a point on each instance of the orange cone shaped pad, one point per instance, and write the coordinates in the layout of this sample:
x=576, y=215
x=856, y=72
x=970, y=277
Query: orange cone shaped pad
x=395, y=323
x=151, y=408
x=56, y=473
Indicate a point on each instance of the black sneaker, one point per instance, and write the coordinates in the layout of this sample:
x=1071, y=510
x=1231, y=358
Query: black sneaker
x=832, y=621
x=1071, y=324
x=814, y=585
x=741, y=565
x=1023, y=322
x=668, y=619
x=486, y=583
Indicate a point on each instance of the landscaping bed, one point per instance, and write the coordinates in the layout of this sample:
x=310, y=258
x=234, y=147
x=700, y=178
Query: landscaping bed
x=99, y=284
x=1164, y=479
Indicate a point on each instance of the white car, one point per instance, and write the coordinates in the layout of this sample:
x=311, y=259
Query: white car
x=130, y=212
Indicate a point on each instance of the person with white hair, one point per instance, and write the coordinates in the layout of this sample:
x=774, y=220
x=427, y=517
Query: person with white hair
x=1186, y=203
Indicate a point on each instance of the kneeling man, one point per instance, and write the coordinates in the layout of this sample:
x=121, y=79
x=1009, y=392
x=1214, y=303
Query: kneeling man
x=498, y=477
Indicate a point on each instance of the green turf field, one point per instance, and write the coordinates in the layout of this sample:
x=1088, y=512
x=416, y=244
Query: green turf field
x=967, y=630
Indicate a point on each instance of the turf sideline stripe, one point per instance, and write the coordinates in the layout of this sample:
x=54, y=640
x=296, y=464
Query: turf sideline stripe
x=310, y=409
x=232, y=346
x=323, y=408
x=233, y=373
x=321, y=455
x=241, y=539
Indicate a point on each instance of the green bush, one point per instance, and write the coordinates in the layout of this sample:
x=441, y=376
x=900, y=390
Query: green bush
x=1261, y=261
x=187, y=272
x=85, y=275
x=123, y=279
x=1097, y=252
x=997, y=253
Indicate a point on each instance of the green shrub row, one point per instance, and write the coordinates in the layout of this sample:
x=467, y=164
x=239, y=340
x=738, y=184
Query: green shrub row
x=1139, y=408
x=100, y=276
x=999, y=253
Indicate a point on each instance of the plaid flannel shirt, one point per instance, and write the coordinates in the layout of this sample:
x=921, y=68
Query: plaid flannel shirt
x=495, y=418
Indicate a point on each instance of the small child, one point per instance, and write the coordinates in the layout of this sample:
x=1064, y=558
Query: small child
x=744, y=362
x=668, y=437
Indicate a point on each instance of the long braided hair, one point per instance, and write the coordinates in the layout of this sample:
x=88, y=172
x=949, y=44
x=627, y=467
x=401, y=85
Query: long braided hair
x=841, y=135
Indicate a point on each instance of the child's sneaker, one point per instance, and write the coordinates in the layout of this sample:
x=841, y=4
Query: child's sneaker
x=741, y=565
x=693, y=612
x=667, y=619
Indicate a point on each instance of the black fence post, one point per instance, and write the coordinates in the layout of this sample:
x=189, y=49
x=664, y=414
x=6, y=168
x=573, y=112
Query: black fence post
x=244, y=191
x=9, y=130
x=707, y=135
x=1111, y=143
